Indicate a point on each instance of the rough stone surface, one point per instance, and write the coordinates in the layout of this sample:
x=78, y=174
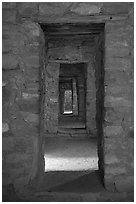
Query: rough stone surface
x=115, y=170
x=30, y=117
x=118, y=102
x=5, y=127
x=30, y=96
x=110, y=131
x=116, y=51
x=9, y=16
x=31, y=106
x=123, y=64
x=86, y=8
x=9, y=61
x=111, y=159
x=16, y=157
x=115, y=8
x=111, y=101
x=108, y=183
x=124, y=183
x=8, y=5
x=27, y=8
x=53, y=9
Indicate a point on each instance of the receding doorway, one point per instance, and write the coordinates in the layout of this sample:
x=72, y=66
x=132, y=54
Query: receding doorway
x=72, y=95
x=73, y=103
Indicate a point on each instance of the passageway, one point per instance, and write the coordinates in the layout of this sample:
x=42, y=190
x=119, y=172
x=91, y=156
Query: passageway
x=72, y=103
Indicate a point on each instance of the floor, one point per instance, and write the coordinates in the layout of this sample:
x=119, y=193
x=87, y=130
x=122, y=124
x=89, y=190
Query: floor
x=71, y=176
x=63, y=154
x=81, y=187
x=71, y=181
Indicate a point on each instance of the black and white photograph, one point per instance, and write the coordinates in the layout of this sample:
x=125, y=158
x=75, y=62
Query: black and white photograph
x=67, y=101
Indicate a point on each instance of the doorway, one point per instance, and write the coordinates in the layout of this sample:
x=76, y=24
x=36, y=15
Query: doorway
x=72, y=96
x=74, y=75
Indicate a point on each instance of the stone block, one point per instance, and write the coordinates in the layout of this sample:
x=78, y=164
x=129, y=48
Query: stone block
x=32, y=29
x=4, y=83
x=32, y=75
x=8, y=16
x=110, y=159
x=6, y=180
x=33, y=87
x=17, y=158
x=112, y=131
x=31, y=61
x=9, y=61
x=119, y=41
x=27, y=8
x=130, y=132
x=6, y=94
x=7, y=45
x=21, y=128
x=5, y=127
x=15, y=173
x=119, y=147
x=116, y=77
x=111, y=101
x=115, y=170
x=8, y=5
x=116, y=51
x=8, y=144
x=30, y=96
x=5, y=113
x=32, y=48
x=20, y=182
x=123, y=64
x=115, y=8
x=109, y=183
x=117, y=27
x=31, y=118
x=119, y=89
x=113, y=116
x=23, y=145
x=86, y=9
x=32, y=106
x=9, y=31
x=124, y=183
x=53, y=8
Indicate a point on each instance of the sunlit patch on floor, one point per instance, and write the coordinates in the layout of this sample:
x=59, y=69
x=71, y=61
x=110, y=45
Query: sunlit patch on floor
x=71, y=155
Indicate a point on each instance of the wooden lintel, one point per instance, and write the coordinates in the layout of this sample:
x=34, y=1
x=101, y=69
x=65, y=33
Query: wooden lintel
x=68, y=61
x=81, y=19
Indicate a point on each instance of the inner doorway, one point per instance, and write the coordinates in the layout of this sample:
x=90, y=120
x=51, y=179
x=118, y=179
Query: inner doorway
x=73, y=100
x=72, y=95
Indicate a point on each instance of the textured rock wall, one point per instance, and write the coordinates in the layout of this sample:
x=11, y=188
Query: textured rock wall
x=21, y=64
x=51, y=98
x=118, y=125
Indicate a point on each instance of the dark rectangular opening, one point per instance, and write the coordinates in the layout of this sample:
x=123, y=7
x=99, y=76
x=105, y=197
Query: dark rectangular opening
x=73, y=114
x=72, y=95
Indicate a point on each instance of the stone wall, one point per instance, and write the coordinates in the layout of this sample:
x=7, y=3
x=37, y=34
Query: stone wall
x=20, y=66
x=21, y=63
x=118, y=125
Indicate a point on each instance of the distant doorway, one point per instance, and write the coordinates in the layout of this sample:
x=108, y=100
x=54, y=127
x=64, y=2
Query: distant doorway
x=72, y=95
x=73, y=99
